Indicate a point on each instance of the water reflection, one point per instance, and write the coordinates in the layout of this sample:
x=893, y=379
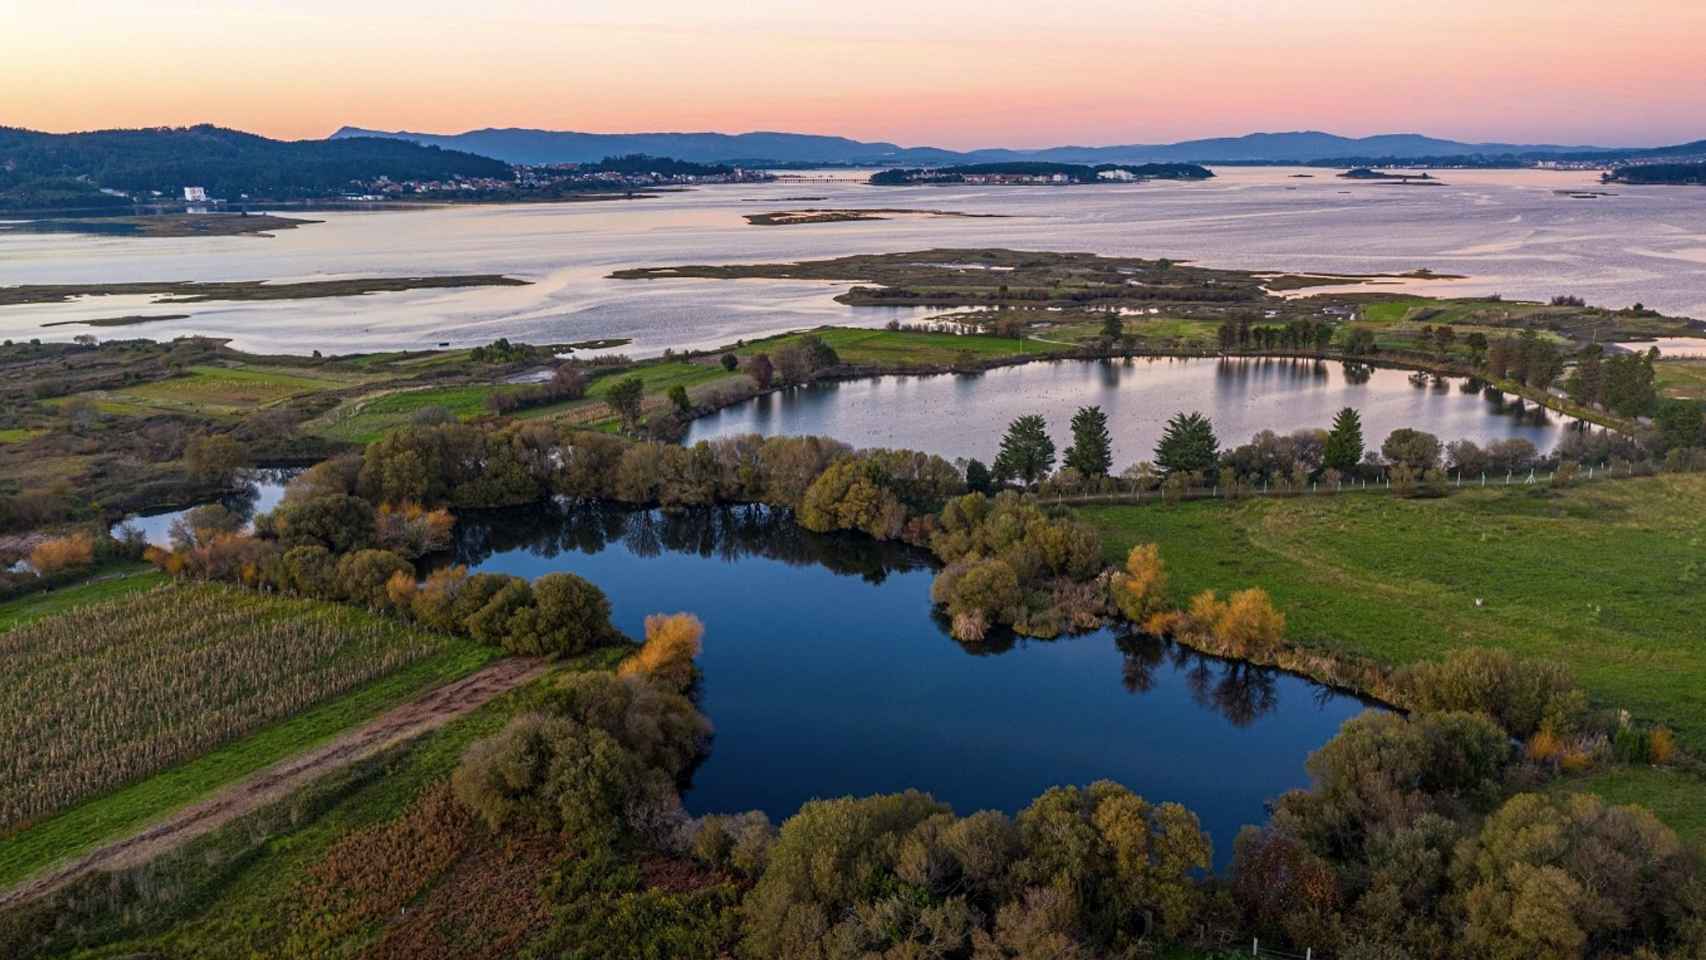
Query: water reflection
x=826, y=672
x=260, y=492
x=1239, y=691
x=726, y=533
x=963, y=415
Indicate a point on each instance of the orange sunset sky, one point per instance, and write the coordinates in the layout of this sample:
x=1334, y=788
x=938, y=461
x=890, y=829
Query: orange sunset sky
x=952, y=73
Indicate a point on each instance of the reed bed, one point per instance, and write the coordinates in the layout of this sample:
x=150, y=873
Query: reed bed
x=111, y=693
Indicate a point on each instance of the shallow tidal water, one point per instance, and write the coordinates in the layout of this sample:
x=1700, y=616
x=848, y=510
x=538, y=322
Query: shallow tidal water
x=1510, y=232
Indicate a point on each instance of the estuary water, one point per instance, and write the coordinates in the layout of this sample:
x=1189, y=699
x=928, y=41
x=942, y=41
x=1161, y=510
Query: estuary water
x=964, y=415
x=826, y=674
x=1519, y=233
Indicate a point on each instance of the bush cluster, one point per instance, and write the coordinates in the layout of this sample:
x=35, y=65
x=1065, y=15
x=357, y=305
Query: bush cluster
x=1413, y=843
x=601, y=761
x=1079, y=872
x=566, y=384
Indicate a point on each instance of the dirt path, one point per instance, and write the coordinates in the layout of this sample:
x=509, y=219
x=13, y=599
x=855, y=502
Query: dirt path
x=403, y=722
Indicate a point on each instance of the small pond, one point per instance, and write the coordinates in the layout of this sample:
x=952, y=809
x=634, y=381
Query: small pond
x=827, y=673
x=260, y=493
x=964, y=415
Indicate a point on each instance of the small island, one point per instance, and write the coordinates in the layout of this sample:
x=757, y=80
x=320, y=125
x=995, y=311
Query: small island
x=1381, y=176
x=174, y=292
x=1033, y=173
x=782, y=218
x=165, y=225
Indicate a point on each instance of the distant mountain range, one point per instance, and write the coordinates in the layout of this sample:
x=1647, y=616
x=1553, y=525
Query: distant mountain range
x=548, y=146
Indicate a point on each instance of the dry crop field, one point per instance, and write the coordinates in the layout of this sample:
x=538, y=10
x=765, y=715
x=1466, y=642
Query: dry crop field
x=109, y=693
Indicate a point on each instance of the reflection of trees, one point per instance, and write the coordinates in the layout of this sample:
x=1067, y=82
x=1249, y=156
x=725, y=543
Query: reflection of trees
x=1237, y=690
x=1242, y=694
x=1143, y=653
x=242, y=501
x=728, y=533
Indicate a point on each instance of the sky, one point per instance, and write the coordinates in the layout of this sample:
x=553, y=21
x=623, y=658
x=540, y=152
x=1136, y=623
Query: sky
x=949, y=73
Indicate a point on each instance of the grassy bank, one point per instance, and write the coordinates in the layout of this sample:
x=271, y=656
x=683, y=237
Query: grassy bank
x=1607, y=578
x=115, y=581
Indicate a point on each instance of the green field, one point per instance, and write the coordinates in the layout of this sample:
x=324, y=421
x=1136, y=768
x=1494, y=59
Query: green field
x=1681, y=379
x=659, y=377
x=229, y=389
x=1673, y=795
x=895, y=348
x=369, y=418
x=1609, y=578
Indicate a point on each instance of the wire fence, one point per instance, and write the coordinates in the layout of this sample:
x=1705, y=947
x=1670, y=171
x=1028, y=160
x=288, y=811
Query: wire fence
x=1384, y=484
x=1267, y=953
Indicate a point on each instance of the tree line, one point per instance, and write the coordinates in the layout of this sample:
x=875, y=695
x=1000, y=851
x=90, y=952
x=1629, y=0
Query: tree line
x=1190, y=456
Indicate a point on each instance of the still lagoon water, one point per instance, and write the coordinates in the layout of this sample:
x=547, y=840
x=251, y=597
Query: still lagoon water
x=957, y=415
x=1515, y=232
x=827, y=673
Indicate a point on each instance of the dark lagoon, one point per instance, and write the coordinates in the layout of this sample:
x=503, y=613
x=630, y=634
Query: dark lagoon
x=826, y=673
x=963, y=415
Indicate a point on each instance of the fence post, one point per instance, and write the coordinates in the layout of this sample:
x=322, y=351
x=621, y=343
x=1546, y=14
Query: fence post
x=1255, y=947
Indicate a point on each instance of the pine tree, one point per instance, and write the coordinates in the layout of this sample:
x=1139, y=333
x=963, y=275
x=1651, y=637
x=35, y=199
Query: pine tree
x=1027, y=453
x=978, y=479
x=1091, y=453
x=1343, y=450
x=1187, y=445
x=1112, y=326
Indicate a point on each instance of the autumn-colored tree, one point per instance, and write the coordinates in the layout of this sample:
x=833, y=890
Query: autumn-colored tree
x=363, y=576
x=62, y=553
x=1141, y=588
x=672, y=642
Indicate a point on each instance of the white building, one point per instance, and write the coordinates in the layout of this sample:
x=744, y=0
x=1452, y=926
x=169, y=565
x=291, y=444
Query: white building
x=195, y=194
x=1122, y=175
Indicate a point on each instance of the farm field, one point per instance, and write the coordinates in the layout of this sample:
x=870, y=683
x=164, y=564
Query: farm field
x=130, y=686
x=1681, y=379
x=257, y=886
x=228, y=389
x=1609, y=578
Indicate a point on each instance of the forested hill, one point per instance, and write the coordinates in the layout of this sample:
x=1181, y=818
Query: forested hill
x=229, y=163
x=1692, y=174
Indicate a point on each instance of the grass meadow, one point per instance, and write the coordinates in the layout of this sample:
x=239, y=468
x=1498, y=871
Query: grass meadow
x=1609, y=578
